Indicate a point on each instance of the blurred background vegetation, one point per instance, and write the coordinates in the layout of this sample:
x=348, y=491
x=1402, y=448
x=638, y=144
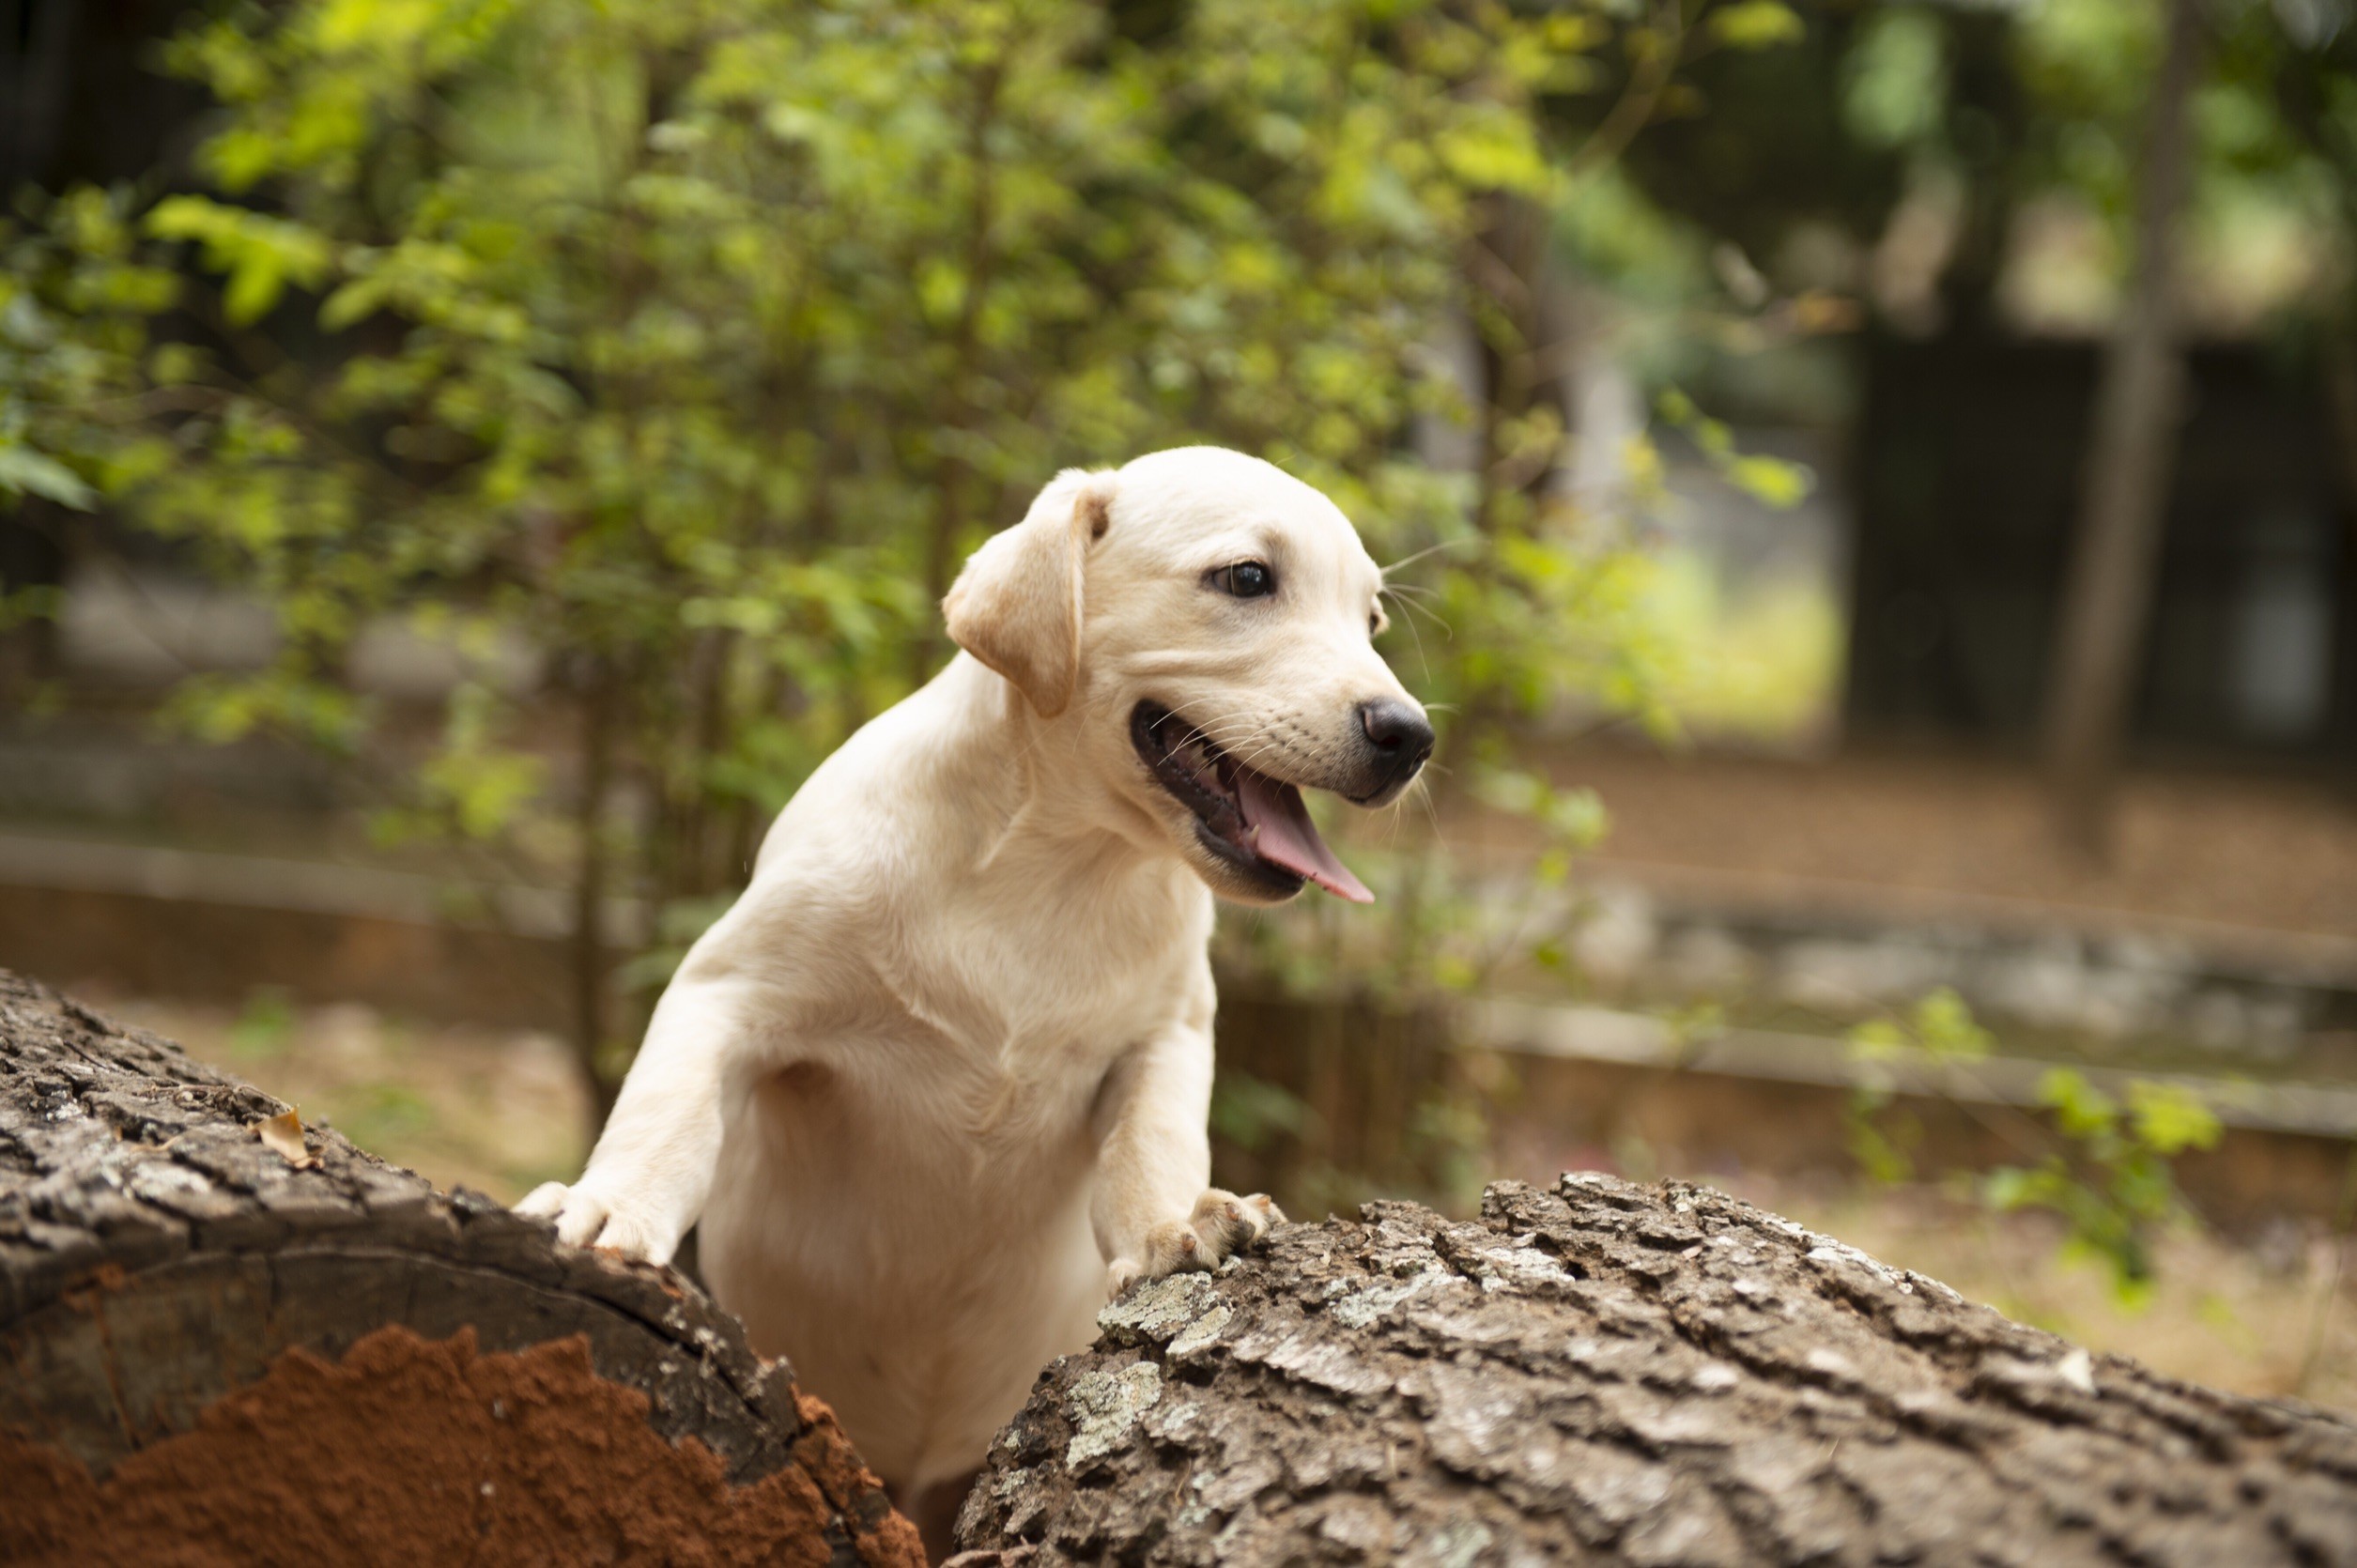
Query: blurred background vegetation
x=1868, y=491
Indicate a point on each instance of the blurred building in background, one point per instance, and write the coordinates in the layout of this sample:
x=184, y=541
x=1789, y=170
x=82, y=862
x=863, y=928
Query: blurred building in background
x=1970, y=457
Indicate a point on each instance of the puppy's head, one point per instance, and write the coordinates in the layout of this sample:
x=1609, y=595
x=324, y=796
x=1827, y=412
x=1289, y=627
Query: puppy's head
x=1199, y=627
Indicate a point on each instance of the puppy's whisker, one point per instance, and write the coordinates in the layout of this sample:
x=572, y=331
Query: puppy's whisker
x=1228, y=741
x=1431, y=808
x=1218, y=731
x=1410, y=608
x=1238, y=732
x=1251, y=758
x=1237, y=724
x=1427, y=550
x=1241, y=739
x=1435, y=617
x=1409, y=621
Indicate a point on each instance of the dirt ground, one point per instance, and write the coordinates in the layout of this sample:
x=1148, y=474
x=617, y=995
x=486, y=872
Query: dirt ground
x=1907, y=834
x=2276, y=1317
x=500, y=1112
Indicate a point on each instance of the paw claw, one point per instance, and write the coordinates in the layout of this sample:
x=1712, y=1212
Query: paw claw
x=1221, y=1221
x=1264, y=1208
x=1173, y=1248
x=630, y=1237
x=585, y=1219
x=543, y=1201
x=1218, y=1230
x=1230, y=1224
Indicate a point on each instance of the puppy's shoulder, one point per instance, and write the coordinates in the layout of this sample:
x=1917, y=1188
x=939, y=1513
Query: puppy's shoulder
x=911, y=784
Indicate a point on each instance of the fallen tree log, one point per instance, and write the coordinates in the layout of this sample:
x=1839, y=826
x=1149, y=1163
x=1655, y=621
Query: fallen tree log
x=213, y=1349
x=1646, y=1376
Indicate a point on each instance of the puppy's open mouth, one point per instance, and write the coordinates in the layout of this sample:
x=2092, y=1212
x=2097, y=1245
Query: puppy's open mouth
x=1255, y=822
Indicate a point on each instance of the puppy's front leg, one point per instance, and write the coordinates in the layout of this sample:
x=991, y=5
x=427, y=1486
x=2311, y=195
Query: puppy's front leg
x=651, y=1170
x=1156, y=1154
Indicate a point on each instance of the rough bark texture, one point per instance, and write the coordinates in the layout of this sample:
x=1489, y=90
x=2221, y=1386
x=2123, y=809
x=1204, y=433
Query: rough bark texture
x=1615, y=1374
x=263, y=1361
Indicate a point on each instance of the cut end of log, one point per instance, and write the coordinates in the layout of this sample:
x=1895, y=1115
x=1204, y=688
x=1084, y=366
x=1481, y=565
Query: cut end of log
x=457, y=1456
x=240, y=1346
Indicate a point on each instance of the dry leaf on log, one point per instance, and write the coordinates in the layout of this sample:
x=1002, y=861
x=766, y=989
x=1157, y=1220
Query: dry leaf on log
x=282, y=1135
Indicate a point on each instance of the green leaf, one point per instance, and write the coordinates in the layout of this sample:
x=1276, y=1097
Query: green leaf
x=1770, y=481
x=261, y=254
x=1876, y=1039
x=1495, y=152
x=1754, y=25
x=1946, y=1027
x=2011, y=1186
x=2169, y=1118
x=2080, y=1109
x=1896, y=77
x=27, y=472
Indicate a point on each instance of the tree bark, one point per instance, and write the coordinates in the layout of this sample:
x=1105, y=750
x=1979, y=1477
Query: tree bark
x=216, y=1353
x=2108, y=597
x=1613, y=1373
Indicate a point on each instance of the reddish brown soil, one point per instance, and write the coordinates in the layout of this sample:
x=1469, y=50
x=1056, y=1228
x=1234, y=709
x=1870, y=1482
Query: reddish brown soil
x=410, y=1452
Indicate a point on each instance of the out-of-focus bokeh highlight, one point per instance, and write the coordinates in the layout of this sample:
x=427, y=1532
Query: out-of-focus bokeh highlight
x=1872, y=492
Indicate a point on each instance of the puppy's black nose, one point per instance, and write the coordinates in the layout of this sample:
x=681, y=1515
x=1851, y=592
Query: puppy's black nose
x=1399, y=732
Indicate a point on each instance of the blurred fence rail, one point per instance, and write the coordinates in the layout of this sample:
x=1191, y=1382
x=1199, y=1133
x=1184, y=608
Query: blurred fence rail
x=212, y=926
x=1376, y=1087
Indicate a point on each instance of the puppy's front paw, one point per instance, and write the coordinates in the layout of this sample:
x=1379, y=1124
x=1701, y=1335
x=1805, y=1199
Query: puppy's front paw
x=1229, y=1224
x=1175, y=1247
x=1221, y=1226
x=586, y=1216
x=1170, y=1248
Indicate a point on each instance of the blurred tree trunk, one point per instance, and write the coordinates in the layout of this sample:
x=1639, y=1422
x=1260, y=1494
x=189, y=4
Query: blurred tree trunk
x=2340, y=377
x=32, y=558
x=2108, y=596
x=1520, y=310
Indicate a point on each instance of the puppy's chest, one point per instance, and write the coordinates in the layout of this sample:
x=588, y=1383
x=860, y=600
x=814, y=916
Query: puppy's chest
x=1041, y=994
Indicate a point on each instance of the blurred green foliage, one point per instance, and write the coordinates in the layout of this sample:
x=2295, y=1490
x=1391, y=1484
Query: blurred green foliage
x=679, y=349
x=2103, y=1169
x=265, y=1027
x=1939, y=1030
x=2045, y=109
x=2110, y=1181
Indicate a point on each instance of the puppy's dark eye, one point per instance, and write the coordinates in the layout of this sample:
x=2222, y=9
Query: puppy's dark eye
x=1246, y=579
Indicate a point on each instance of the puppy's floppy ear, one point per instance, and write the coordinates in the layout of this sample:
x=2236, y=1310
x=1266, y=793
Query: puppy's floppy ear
x=1017, y=607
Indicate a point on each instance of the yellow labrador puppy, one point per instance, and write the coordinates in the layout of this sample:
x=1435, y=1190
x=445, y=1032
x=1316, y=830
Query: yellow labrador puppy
x=938, y=1082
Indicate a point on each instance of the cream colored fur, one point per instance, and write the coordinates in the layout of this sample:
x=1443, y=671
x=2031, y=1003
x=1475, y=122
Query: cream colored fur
x=932, y=1082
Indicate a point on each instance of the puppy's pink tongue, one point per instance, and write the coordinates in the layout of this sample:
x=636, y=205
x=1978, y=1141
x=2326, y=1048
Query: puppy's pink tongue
x=1288, y=837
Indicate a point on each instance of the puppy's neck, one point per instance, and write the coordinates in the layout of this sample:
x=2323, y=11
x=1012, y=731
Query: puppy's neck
x=1048, y=786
